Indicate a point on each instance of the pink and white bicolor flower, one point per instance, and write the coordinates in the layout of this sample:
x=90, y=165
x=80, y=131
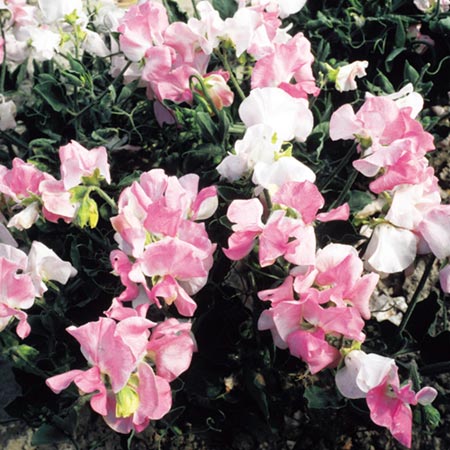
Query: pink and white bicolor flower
x=375, y=378
x=126, y=391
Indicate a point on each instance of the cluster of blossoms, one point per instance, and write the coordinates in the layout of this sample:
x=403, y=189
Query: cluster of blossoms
x=38, y=32
x=165, y=56
x=34, y=192
x=24, y=278
x=164, y=253
x=410, y=219
x=325, y=296
x=48, y=30
x=123, y=355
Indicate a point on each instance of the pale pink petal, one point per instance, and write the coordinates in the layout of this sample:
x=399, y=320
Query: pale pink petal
x=340, y=213
x=312, y=348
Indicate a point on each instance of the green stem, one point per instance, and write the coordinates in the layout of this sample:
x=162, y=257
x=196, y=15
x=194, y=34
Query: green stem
x=205, y=92
x=351, y=179
x=342, y=163
x=415, y=298
x=116, y=81
x=237, y=128
x=14, y=140
x=268, y=200
x=194, y=7
x=105, y=197
x=224, y=60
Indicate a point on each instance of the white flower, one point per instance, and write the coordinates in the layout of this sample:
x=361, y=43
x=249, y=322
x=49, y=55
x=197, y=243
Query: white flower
x=345, y=78
x=54, y=10
x=289, y=117
x=25, y=218
x=7, y=114
x=44, y=265
x=285, y=169
x=390, y=249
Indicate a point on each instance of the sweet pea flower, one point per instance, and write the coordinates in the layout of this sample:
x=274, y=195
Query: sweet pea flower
x=209, y=27
x=56, y=201
x=391, y=249
x=288, y=60
x=78, y=162
x=260, y=144
x=218, y=90
x=289, y=117
x=252, y=29
x=279, y=236
x=127, y=392
x=18, y=291
x=429, y=5
x=345, y=77
x=7, y=111
x=55, y=10
x=45, y=265
x=302, y=326
x=141, y=28
x=375, y=378
x=285, y=8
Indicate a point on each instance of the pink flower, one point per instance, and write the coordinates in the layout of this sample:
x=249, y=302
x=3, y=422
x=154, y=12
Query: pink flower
x=280, y=236
x=375, y=378
x=127, y=393
x=142, y=27
x=22, y=180
x=171, y=347
x=78, y=162
x=166, y=79
x=312, y=348
x=252, y=30
x=17, y=291
x=288, y=60
x=56, y=201
x=167, y=261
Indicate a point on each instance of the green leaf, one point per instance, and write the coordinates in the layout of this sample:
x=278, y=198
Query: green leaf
x=384, y=83
x=358, y=200
x=50, y=90
x=129, y=179
x=320, y=398
x=48, y=434
x=444, y=24
x=226, y=8
x=432, y=416
x=390, y=58
x=42, y=145
x=78, y=193
x=207, y=126
x=400, y=35
x=410, y=74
